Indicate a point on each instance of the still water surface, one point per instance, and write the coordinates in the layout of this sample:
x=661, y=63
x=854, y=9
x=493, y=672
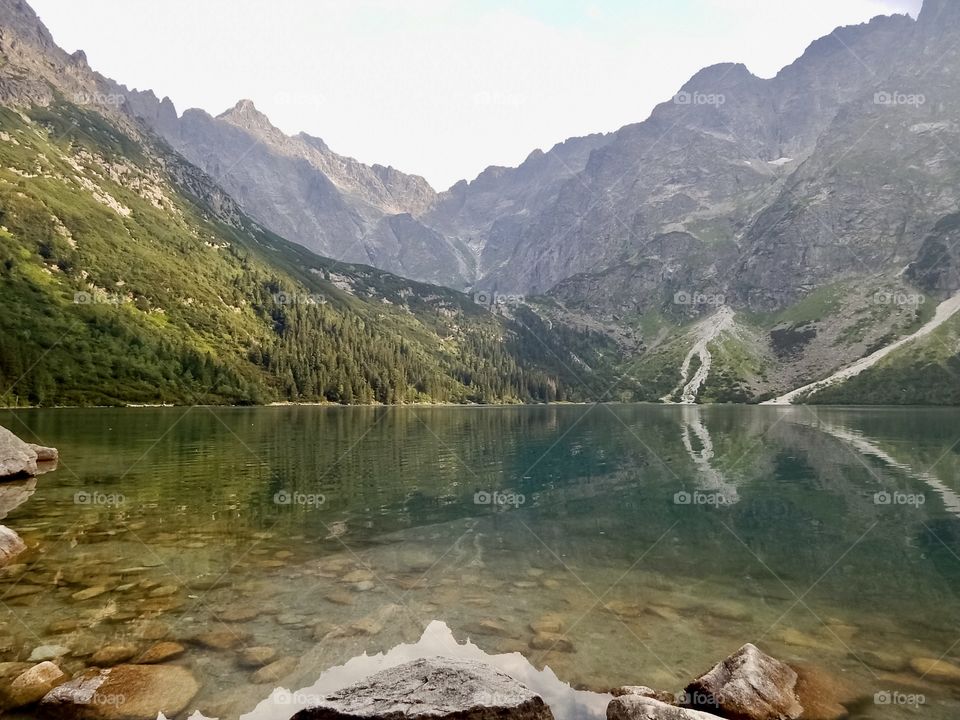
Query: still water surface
x=611, y=544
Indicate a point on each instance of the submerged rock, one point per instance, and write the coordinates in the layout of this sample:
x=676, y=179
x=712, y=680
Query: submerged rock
x=640, y=707
x=11, y=545
x=748, y=685
x=826, y=695
x=938, y=670
x=113, y=654
x=125, y=692
x=434, y=688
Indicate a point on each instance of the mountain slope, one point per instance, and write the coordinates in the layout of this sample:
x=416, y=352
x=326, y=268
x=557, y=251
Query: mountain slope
x=128, y=275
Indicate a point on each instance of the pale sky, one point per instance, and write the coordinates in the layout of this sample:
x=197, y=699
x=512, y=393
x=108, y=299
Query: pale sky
x=440, y=88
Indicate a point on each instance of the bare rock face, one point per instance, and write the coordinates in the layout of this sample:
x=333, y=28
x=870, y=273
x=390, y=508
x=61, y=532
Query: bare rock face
x=17, y=459
x=434, y=688
x=748, y=685
x=124, y=692
x=639, y=707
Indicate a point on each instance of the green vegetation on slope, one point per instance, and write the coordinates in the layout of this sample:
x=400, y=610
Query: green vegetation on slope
x=118, y=286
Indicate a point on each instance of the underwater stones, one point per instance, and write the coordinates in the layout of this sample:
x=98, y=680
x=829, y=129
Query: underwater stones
x=221, y=639
x=936, y=669
x=255, y=657
x=239, y=613
x=89, y=593
x=113, y=654
x=160, y=652
x=339, y=597
x=434, y=688
x=152, y=630
x=748, y=685
x=880, y=661
x=275, y=671
x=825, y=695
x=490, y=626
x=124, y=692
x=551, y=642
x=47, y=652
x=547, y=624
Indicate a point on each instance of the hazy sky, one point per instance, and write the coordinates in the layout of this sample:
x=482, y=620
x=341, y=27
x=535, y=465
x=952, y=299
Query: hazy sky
x=441, y=88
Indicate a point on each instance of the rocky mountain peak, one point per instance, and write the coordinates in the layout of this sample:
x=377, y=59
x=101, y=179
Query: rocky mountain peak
x=245, y=115
x=19, y=17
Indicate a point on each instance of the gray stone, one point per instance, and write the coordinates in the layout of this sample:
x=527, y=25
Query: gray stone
x=434, y=688
x=45, y=454
x=17, y=459
x=748, y=685
x=640, y=707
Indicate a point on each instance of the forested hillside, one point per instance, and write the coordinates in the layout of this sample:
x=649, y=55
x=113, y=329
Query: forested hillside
x=128, y=276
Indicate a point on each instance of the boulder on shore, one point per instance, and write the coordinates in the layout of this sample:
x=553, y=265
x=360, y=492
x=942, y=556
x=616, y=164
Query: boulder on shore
x=434, y=688
x=17, y=459
x=641, y=707
x=748, y=685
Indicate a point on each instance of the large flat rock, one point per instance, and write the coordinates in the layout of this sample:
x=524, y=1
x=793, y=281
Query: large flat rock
x=124, y=692
x=434, y=688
